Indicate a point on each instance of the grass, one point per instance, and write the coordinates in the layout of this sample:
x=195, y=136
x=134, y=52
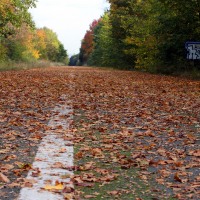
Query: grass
x=126, y=186
x=14, y=66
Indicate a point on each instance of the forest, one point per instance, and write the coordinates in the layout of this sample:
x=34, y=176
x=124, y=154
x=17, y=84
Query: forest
x=21, y=41
x=133, y=34
x=146, y=35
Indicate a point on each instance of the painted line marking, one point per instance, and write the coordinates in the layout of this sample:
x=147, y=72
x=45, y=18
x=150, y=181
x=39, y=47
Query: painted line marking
x=53, y=150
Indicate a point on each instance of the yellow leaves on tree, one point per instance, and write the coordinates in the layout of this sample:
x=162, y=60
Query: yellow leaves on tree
x=40, y=37
x=6, y=7
x=25, y=40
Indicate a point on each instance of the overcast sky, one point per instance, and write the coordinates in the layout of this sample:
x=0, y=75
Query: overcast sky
x=68, y=18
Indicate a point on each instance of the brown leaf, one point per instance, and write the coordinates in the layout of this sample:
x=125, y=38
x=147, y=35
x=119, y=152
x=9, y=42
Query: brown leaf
x=114, y=192
x=136, y=155
x=177, y=178
x=194, y=153
x=62, y=150
x=4, y=178
x=35, y=174
x=78, y=155
x=68, y=196
x=58, y=165
x=149, y=133
x=68, y=189
x=28, y=184
x=89, y=196
x=6, y=167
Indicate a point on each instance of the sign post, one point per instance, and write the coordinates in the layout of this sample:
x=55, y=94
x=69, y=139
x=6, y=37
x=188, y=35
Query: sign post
x=193, y=50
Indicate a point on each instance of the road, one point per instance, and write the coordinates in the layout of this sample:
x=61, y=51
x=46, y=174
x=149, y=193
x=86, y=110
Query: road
x=134, y=135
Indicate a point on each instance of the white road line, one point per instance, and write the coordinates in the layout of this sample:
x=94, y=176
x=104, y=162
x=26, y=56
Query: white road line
x=53, y=151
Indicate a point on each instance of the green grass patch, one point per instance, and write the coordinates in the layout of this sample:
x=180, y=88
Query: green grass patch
x=107, y=178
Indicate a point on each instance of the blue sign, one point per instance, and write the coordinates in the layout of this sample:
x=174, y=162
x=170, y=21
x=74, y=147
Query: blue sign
x=193, y=49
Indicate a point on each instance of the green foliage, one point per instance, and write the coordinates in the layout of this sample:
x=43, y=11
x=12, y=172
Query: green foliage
x=52, y=45
x=3, y=53
x=148, y=35
x=62, y=54
x=139, y=42
x=74, y=60
x=118, y=11
x=15, y=51
x=20, y=41
x=54, y=49
x=29, y=45
x=103, y=54
x=14, y=13
x=178, y=23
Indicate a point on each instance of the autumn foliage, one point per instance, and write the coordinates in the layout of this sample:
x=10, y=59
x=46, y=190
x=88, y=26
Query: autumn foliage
x=21, y=41
x=87, y=44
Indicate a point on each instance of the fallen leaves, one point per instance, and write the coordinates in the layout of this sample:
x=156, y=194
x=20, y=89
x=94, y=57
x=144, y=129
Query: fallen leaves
x=6, y=167
x=114, y=192
x=68, y=196
x=36, y=172
x=131, y=121
x=27, y=99
x=194, y=153
x=87, y=166
x=78, y=155
x=4, y=178
x=62, y=150
x=28, y=183
x=97, y=152
x=54, y=187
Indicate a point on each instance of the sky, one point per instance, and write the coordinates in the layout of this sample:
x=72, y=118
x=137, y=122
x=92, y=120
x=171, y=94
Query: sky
x=68, y=18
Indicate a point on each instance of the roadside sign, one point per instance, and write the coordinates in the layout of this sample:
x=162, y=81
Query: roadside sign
x=193, y=50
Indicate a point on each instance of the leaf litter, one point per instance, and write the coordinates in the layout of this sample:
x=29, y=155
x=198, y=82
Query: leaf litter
x=140, y=126
x=136, y=135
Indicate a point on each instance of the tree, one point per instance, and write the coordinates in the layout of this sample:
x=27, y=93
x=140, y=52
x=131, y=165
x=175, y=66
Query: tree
x=14, y=13
x=40, y=41
x=49, y=46
x=62, y=55
x=20, y=41
x=178, y=22
x=74, y=60
x=103, y=53
x=153, y=33
x=139, y=42
x=52, y=44
x=87, y=44
x=21, y=46
x=118, y=10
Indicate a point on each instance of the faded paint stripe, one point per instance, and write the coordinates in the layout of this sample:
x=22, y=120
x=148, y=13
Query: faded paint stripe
x=53, y=149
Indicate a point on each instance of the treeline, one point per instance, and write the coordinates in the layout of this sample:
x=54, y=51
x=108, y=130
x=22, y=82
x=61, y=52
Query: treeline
x=149, y=35
x=20, y=41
